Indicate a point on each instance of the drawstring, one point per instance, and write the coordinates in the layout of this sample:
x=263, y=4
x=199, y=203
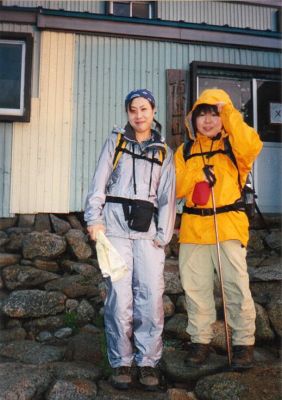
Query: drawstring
x=134, y=177
x=208, y=168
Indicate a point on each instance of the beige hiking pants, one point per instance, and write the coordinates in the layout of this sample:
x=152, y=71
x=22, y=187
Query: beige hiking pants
x=197, y=264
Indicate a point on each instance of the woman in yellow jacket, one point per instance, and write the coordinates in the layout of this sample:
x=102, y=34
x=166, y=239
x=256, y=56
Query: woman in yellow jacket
x=213, y=118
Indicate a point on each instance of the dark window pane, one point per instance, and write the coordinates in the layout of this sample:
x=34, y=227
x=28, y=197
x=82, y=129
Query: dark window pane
x=10, y=75
x=140, y=10
x=121, y=9
x=269, y=110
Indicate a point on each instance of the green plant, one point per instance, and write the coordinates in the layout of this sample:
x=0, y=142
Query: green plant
x=71, y=320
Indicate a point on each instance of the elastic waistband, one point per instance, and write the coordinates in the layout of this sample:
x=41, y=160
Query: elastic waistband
x=204, y=212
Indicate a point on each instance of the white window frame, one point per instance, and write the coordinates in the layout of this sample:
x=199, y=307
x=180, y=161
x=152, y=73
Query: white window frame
x=17, y=111
x=111, y=7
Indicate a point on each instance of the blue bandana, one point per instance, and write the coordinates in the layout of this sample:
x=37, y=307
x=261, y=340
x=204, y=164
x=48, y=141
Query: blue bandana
x=140, y=93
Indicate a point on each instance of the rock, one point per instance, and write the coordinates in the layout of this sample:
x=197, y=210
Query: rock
x=174, y=245
x=85, y=347
x=169, y=307
x=176, y=327
x=220, y=386
x=219, y=340
x=71, y=305
x=181, y=304
x=63, y=333
x=75, y=286
x=175, y=369
x=256, y=241
x=180, y=394
x=263, y=332
x=75, y=370
x=74, y=222
x=45, y=244
x=264, y=292
x=44, y=336
x=51, y=323
x=258, y=383
x=42, y=223
x=77, y=241
x=172, y=278
x=30, y=352
x=8, y=335
x=15, y=242
x=77, y=389
x=21, y=277
x=85, y=312
x=7, y=222
x=79, y=268
x=267, y=273
x=107, y=392
x=273, y=240
x=26, y=220
x=59, y=225
x=3, y=238
x=274, y=310
x=45, y=265
x=8, y=259
x=33, y=303
x=25, y=383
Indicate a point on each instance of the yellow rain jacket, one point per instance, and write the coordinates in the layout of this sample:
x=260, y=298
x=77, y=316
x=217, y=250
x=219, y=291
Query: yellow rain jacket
x=246, y=145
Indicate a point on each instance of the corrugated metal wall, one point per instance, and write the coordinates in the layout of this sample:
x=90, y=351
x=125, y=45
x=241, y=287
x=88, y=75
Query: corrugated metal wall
x=211, y=12
x=81, y=6
x=219, y=13
x=106, y=69
x=42, y=148
x=5, y=167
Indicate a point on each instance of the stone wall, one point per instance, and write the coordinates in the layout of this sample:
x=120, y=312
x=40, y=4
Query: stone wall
x=51, y=290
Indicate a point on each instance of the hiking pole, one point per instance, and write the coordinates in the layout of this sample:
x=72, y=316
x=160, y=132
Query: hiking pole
x=221, y=279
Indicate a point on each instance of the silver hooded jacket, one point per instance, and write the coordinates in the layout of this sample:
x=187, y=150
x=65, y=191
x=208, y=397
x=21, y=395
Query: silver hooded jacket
x=119, y=182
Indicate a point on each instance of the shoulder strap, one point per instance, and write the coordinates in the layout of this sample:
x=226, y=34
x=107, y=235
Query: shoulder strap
x=187, y=149
x=230, y=154
x=120, y=144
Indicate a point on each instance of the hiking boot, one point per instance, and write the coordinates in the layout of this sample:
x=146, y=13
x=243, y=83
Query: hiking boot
x=242, y=357
x=149, y=378
x=197, y=354
x=121, y=378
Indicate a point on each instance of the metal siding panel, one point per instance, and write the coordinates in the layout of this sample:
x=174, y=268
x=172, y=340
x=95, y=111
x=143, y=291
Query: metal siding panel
x=5, y=168
x=218, y=13
x=82, y=6
x=41, y=148
x=117, y=66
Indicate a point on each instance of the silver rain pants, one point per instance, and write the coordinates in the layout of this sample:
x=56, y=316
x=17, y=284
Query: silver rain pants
x=134, y=315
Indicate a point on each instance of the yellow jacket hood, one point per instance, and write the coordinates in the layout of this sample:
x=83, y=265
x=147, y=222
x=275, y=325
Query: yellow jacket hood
x=208, y=96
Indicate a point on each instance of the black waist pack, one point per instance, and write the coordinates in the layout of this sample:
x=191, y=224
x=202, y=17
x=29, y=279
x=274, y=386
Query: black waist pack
x=140, y=215
x=137, y=213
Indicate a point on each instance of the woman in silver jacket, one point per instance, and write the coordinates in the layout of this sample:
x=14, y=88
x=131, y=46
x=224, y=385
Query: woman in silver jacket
x=132, y=200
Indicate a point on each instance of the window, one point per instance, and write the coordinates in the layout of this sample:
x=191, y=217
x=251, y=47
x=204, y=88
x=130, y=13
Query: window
x=137, y=9
x=15, y=76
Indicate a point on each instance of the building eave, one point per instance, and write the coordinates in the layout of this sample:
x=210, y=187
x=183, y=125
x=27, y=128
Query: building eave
x=181, y=32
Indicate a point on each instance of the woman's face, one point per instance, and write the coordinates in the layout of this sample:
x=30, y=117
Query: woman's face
x=208, y=123
x=140, y=115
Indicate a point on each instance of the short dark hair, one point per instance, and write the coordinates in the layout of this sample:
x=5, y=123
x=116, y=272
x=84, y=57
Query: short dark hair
x=202, y=108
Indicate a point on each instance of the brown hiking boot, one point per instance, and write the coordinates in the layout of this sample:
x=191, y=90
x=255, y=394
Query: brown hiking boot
x=149, y=378
x=197, y=354
x=121, y=378
x=242, y=358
